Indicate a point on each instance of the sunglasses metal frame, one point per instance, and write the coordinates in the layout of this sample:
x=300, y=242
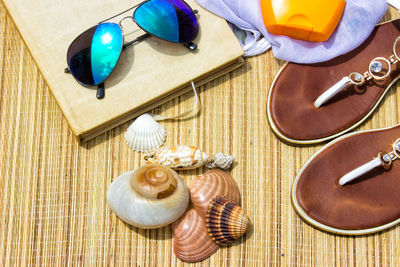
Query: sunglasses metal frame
x=100, y=87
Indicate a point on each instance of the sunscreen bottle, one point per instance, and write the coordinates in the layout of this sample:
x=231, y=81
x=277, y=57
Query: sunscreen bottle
x=310, y=20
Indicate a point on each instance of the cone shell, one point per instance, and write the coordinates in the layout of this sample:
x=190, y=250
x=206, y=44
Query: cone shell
x=178, y=157
x=226, y=221
x=205, y=188
x=145, y=134
x=191, y=241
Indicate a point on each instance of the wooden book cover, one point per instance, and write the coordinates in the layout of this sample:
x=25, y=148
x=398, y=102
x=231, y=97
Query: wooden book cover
x=149, y=73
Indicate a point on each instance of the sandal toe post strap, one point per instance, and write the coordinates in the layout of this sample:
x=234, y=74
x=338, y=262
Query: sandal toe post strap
x=378, y=69
x=383, y=160
x=356, y=173
x=331, y=92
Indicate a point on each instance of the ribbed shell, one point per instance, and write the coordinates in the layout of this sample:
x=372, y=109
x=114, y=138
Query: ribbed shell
x=226, y=221
x=214, y=183
x=145, y=134
x=191, y=241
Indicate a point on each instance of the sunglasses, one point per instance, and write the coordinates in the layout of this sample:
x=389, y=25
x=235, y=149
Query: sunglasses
x=93, y=55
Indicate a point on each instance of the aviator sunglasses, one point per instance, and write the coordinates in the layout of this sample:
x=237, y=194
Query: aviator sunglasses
x=93, y=55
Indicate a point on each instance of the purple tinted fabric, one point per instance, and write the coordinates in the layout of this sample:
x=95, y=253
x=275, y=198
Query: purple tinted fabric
x=358, y=20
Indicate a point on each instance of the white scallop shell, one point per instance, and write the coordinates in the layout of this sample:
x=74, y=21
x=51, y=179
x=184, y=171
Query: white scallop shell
x=178, y=157
x=222, y=161
x=145, y=134
x=145, y=213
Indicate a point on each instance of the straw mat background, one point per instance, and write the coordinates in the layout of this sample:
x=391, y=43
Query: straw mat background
x=53, y=209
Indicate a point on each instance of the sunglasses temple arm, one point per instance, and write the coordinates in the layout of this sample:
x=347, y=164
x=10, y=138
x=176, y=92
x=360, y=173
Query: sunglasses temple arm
x=100, y=91
x=140, y=38
x=100, y=88
x=191, y=46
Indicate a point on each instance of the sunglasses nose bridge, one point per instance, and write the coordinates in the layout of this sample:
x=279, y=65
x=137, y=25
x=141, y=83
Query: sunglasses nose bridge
x=127, y=17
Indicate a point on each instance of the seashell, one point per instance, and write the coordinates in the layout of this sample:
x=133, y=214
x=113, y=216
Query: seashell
x=178, y=157
x=222, y=161
x=191, y=241
x=152, y=196
x=214, y=183
x=145, y=134
x=226, y=221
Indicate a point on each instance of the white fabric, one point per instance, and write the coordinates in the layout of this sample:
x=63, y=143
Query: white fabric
x=358, y=20
x=394, y=3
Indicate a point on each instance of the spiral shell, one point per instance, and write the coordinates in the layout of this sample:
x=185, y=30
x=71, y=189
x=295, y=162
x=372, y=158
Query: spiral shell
x=191, y=241
x=226, y=221
x=178, y=157
x=145, y=134
x=222, y=161
x=152, y=196
x=214, y=183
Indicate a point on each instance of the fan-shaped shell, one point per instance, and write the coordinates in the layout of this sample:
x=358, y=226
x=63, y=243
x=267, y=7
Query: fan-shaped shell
x=145, y=134
x=191, y=241
x=214, y=183
x=178, y=157
x=146, y=212
x=226, y=221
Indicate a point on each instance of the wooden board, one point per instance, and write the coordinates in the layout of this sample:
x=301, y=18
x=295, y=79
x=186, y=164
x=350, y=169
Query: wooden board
x=53, y=210
x=147, y=73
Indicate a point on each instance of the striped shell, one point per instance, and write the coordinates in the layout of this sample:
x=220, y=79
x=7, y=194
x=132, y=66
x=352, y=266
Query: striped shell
x=191, y=241
x=145, y=134
x=226, y=221
x=214, y=183
x=178, y=157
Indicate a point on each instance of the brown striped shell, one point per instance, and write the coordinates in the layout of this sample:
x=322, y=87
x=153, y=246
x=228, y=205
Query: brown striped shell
x=226, y=221
x=191, y=241
x=214, y=183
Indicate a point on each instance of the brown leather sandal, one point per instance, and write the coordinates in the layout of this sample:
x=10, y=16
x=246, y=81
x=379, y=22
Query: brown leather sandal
x=314, y=103
x=348, y=187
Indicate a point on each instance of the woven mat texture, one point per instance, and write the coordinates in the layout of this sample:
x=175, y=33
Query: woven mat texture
x=53, y=209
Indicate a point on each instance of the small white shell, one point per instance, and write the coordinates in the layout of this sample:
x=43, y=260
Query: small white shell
x=178, y=157
x=222, y=161
x=142, y=212
x=145, y=134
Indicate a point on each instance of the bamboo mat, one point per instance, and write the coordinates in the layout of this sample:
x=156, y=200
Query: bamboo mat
x=53, y=207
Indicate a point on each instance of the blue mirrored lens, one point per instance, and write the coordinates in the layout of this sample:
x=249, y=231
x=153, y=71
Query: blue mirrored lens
x=171, y=20
x=93, y=55
x=106, y=49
